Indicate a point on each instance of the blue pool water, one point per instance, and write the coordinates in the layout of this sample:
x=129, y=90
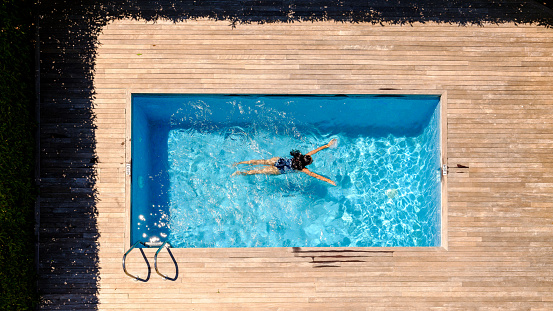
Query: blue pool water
x=386, y=167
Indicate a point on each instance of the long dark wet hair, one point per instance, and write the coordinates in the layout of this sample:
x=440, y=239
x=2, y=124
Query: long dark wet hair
x=300, y=161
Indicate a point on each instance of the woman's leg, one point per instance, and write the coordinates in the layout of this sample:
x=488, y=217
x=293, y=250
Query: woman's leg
x=267, y=170
x=270, y=161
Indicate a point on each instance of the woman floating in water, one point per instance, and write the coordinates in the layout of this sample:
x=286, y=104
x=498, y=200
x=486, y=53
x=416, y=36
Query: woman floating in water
x=277, y=166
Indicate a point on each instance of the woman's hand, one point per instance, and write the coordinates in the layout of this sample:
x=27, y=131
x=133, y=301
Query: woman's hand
x=333, y=142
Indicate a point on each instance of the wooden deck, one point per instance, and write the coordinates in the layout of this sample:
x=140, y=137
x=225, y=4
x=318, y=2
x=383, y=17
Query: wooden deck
x=498, y=82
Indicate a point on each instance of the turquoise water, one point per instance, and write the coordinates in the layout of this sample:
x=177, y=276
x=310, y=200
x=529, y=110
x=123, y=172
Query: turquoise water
x=386, y=167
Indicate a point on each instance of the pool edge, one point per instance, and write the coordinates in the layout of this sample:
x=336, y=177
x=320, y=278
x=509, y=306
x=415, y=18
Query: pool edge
x=444, y=201
x=444, y=237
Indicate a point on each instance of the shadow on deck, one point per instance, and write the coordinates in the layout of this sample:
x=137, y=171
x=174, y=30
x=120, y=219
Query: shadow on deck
x=68, y=256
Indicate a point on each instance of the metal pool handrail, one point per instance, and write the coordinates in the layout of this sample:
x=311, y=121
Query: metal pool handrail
x=160, y=246
x=125, y=257
x=167, y=246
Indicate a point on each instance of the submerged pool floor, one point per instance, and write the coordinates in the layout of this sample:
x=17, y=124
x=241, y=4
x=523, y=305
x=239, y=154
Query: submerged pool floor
x=386, y=167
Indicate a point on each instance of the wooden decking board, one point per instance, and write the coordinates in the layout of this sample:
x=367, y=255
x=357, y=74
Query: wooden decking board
x=500, y=219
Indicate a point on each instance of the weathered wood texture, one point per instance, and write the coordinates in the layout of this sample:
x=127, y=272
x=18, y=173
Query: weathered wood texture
x=498, y=80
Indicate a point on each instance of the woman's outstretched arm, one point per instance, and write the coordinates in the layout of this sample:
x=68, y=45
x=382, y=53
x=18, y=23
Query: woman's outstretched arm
x=312, y=152
x=310, y=173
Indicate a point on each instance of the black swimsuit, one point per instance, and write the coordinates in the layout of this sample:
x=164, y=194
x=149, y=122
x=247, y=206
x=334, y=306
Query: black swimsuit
x=284, y=165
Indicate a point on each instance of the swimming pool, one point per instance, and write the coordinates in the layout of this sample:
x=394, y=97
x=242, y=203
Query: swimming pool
x=386, y=166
